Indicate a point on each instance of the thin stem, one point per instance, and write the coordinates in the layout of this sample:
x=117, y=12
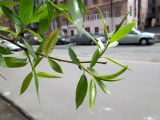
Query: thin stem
x=54, y=58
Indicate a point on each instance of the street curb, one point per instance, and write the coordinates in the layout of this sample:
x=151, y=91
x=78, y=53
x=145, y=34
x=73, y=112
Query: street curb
x=19, y=109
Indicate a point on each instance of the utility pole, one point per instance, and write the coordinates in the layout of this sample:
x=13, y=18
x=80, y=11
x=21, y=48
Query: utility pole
x=111, y=9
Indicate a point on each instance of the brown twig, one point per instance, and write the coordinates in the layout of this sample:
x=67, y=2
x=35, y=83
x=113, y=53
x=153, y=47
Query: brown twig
x=54, y=58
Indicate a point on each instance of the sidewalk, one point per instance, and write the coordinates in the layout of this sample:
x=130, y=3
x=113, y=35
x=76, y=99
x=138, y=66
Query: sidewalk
x=8, y=111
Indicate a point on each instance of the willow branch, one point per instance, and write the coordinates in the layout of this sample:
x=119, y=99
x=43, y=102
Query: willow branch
x=54, y=58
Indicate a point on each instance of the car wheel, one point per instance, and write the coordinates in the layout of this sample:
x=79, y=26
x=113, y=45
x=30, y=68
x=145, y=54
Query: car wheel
x=91, y=42
x=143, y=42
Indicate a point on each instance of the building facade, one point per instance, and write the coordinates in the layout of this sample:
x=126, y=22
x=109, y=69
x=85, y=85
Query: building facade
x=149, y=13
x=113, y=11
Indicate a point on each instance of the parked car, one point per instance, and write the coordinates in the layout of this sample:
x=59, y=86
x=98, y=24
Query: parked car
x=9, y=45
x=62, y=40
x=138, y=37
x=84, y=39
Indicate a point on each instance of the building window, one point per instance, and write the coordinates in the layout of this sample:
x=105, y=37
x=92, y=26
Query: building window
x=95, y=1
x=117, y=11
x=106, y=14
x=95, y=16
x=87, y=29
x=86, y=18
x=72, y=32
x=96, y=29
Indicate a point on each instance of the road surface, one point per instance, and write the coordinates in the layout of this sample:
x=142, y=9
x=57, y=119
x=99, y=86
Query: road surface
x=135, y=98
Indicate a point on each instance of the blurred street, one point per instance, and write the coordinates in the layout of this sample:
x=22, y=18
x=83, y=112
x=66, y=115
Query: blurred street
x=135, y=98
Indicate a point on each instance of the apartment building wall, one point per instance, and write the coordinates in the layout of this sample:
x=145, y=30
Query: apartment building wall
x=92, y=20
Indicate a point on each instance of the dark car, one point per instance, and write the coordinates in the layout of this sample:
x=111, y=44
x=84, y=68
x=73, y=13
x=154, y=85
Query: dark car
x=62, y=40
x=85, y=40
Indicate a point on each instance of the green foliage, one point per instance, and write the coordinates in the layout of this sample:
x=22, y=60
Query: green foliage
x=73, y=56
x=30, y=48
x=5, y=51
x=92, y=94
x=46, y=75
x=26, y=83
x=25, y=10
x=81, y=90
x=122, y=32
x=55, y=66
x=13, y=62
x=44, y=15
x=12, y=16
x=3, y=3
x=48, y=44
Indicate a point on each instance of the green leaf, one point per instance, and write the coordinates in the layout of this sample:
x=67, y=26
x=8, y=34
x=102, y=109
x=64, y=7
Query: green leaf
x=46, y=75
x=95, y=58
x=92, y=94
x=102, y=86
x=112, y=76
x=37, y=61
x=35, y=34
x=46, y=19
x=25, y=10
x=5, y=29
x=26, y=83
x=36, y=82
x=104, y=23
x=119, y=26
x=13, y=62
x=76, y=14
x=115, y=62
x=81, y=90
x=3, y=3
x=30, y=48
x=122, y=32
x=73, y=56
x=5, y=51
x=12, y=16
x=49, y=43
x=55, y=66
x=2, y=61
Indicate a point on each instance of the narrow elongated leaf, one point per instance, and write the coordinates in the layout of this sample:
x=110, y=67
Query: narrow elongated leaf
x=25, y=10
x=48, y=44
x=95, y=58
x=36, y=82
x=102, y=86
x=73, y=56
x=75, y=12
x=26, y=83
x=2, y=61
x=37, y=61
x=3, y=3
x=112, y=76
x=46, y=75
x=35, y=34
x=55, y=66
x=30, y=48
x=5, y=51
x=13, y=62
x=81, y=90
x=92, y=94
x=104, y=23
x=12, y=16
x=5, y=29
x=119, y=26
x=122, y=32
x=115, y=62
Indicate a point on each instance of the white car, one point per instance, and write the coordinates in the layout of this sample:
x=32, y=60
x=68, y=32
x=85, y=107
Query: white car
x=9, y=45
